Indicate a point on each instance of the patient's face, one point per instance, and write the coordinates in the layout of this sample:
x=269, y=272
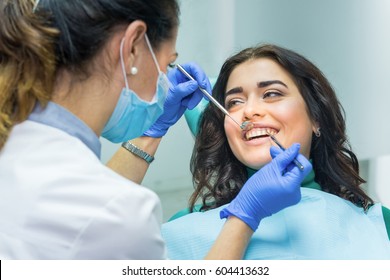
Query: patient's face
x=262, y=92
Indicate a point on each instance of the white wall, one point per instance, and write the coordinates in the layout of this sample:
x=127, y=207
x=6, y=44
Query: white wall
x=348, y=40
x=379, y=179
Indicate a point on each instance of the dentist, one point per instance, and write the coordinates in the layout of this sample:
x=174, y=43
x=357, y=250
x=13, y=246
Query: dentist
x=71, y=71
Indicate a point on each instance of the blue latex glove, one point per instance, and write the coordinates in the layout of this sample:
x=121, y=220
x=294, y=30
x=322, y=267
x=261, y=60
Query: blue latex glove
x=271, y=189
x=183, y=94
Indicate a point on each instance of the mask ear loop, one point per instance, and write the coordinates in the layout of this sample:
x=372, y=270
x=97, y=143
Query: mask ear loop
x=152, y=52
x=156, y=62
x=123, y=63
x=166, y=80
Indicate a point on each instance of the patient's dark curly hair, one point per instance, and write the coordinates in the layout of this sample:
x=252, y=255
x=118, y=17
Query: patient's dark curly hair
x=218, y=175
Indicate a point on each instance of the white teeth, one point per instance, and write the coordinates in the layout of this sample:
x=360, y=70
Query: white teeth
x=259, y=132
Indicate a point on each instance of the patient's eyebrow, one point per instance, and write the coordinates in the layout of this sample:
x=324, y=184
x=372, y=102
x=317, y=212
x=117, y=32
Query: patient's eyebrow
x=259, y=85
x=271, y=82
x=234, y=90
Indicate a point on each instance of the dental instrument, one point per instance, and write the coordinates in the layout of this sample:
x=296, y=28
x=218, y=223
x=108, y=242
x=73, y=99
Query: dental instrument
x=247, y=125
x=296, y=162
x=210, y=97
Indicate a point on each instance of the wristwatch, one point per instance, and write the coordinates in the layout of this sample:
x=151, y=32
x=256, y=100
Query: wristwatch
x=137, y=151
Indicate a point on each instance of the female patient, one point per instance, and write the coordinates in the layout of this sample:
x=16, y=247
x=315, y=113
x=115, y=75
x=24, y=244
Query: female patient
x=283, y=94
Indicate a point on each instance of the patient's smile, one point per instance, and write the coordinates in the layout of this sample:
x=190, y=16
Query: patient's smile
x=259, y=132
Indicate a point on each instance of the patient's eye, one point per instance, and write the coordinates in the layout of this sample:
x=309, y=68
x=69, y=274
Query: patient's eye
x=233, y=102
x=272, y=94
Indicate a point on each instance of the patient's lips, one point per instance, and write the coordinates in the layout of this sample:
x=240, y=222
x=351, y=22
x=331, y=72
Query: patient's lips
x=253, y=131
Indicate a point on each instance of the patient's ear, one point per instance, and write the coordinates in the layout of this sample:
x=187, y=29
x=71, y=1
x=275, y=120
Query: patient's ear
x=316, y=129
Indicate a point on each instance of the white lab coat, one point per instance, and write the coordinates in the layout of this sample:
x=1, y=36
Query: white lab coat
x=57, y=201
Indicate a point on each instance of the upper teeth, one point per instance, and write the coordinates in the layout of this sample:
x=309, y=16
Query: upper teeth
x=258, y=132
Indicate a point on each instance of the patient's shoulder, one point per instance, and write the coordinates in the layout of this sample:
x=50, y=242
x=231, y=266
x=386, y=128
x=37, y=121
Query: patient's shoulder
x=184, y=212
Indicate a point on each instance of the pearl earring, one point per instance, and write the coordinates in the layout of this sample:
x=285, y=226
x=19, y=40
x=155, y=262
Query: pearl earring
x=134, y=70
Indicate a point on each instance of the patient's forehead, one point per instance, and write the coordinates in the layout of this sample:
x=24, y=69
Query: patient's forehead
x=254, y=71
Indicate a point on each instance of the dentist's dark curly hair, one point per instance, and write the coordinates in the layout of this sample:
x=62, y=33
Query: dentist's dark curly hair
x=218, y=175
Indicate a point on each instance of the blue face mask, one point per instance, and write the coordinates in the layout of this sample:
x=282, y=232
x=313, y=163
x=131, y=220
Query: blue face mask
x=132, y=116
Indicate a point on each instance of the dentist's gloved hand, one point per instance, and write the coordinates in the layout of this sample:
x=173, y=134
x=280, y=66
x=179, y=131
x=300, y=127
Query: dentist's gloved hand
x=183, y=94
x=271, y=189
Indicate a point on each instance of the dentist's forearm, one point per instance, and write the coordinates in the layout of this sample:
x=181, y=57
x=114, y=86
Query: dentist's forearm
x=232, y=241
x=131, y=166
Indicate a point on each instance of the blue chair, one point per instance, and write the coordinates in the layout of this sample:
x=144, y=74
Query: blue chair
x=193, y=116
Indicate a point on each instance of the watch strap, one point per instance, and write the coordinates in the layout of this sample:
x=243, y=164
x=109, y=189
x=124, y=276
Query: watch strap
x=137, y=151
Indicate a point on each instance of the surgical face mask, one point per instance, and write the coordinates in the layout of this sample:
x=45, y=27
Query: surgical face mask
x=132, y=116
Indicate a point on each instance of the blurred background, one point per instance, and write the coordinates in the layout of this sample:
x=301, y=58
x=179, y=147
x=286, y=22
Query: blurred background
x=348, y=40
